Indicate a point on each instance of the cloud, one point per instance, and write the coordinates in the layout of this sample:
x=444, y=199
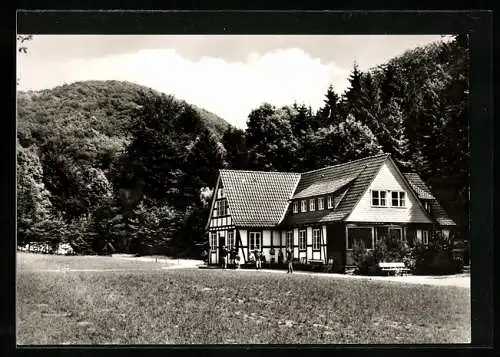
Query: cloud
x=229, y=89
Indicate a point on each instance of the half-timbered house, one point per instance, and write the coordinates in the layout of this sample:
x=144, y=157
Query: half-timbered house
x=321, y=213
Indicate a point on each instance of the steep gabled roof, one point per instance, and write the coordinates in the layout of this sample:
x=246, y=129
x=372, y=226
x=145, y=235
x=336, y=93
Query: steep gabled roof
x=359, y=174
x=436, y=212
x=258, y=198
x=419, y=186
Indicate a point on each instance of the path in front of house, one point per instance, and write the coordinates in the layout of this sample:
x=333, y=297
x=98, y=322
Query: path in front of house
x=459, y=280
x=173, y=263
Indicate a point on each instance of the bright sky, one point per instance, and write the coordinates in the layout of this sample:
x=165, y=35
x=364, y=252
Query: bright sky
x=227, y=75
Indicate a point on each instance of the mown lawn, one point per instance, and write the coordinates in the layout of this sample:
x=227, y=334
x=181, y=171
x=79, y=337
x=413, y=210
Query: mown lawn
x=140, y=306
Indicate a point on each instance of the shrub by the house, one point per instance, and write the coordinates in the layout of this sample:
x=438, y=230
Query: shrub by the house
x=365, y=261
x=436, y=258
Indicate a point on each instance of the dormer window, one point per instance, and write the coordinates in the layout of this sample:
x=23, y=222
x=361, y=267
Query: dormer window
x=330, y=202
x=378, y=198
x=303, y=206
x=296, y=207
x=398, y=199
x=312, y=204
x=321, y=203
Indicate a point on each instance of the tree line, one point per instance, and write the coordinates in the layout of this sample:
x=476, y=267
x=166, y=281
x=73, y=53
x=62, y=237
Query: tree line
x=111, y=166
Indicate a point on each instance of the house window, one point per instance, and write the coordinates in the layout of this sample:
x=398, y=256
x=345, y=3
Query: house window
x=422, y=237
x=289, y=239
x=303, y=206
x=381, y=234
x=230, y=240
x=396, y=233
x=295, y=207
x=316, y=239
x=302, y=240
x=359, y=235
x=425, y=237
x=378, y=198
x=213, y=242
x=330, y=202
x=312, y=204
x=221, y=208
x=255, y=241
x=427, y=206
x=398, y=199
x=321, y=203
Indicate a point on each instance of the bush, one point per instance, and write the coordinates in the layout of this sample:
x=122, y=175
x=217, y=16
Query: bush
x=366, y=262
x=391, y=249
x=436, y=258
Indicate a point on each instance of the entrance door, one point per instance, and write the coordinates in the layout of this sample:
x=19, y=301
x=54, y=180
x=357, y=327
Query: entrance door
x=335, y=242
x=222, y=242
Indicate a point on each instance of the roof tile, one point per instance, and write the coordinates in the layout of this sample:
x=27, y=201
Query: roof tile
x=437, y=212
x=258, y=198
x=261, y=199
x=360, y=173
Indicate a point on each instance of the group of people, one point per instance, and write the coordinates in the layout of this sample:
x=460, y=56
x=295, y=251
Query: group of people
x=256, y=256
x=231, y=255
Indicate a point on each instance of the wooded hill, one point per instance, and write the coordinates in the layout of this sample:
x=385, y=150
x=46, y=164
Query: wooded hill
x=113, y=163
x=75, y=143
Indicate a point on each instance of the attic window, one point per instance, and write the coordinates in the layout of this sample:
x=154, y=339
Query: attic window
x=303, y=206
x=312, y=204
x=321, y=203
x=398, y=199
x=378, y=198
x=330, y=202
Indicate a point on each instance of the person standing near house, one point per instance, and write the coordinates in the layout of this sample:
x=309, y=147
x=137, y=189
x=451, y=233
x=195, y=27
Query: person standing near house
x=280, y=257
x=223, y=256
x=289, y=258
x=258, y=259
x=272, y=253
x=237, y=260
x=232, y=257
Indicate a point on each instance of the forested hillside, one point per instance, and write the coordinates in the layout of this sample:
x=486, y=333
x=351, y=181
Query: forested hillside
x=79, y=143
x=112, y=164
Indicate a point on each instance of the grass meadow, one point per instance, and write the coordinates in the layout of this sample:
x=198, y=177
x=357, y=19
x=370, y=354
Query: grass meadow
x=103, y=300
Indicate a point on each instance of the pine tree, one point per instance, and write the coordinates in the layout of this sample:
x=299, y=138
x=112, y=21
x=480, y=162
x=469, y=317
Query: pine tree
x=352, y=97
x=300, y=120
x=390, y=86
x=396, y=134
x=331, y=112
x=369, y=110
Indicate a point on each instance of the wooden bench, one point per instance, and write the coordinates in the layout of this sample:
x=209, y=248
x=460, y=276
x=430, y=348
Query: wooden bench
x=397, y=268
x=316, y=262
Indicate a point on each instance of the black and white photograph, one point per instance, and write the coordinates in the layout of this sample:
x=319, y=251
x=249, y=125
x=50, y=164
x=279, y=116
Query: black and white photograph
x=242, y=189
